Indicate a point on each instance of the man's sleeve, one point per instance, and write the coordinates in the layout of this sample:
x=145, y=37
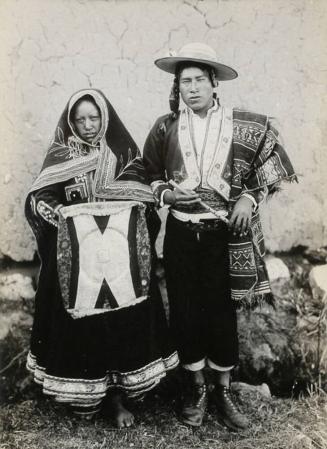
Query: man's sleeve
x=256, y=196
x=154, y=161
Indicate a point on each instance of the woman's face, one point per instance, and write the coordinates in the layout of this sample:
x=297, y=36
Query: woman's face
x=87, y=120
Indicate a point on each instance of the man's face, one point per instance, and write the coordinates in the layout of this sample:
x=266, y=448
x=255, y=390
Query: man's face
x=87, y=121
x=196, y=89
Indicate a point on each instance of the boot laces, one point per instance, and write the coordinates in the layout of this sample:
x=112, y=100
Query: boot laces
x=203, y=395
x=227, y=396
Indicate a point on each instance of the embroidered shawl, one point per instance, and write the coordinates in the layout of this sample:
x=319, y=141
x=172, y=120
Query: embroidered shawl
x=116, y=159
x=113, y=155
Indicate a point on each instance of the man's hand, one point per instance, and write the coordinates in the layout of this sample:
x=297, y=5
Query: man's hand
x=240, y=219
x=177, y=197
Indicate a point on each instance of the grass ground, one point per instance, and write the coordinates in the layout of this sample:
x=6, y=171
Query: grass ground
x=31, y=421
x=39, y=423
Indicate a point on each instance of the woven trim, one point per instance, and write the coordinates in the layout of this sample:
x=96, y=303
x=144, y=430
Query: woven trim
x=100, y=209
x=90, y=392
x=64, y=171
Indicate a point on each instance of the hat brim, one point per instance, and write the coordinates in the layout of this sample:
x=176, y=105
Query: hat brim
x=223, y=72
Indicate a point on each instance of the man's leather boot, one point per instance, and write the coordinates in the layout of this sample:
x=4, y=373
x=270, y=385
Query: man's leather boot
x=226, y=409
x=194, y=404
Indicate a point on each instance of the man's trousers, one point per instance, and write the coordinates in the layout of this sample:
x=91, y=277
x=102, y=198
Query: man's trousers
x=202, y=315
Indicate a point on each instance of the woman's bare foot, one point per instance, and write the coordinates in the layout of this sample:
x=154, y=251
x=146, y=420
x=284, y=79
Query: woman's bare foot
x=123, y=417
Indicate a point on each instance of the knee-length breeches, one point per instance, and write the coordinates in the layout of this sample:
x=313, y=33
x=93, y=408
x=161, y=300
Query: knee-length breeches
x=202, y=315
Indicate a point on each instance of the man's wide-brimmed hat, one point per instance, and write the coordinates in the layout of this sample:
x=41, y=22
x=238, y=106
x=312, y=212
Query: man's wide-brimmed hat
x=201, y=54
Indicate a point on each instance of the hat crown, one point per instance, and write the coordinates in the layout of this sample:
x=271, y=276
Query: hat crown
x=197, y=50
x=198, y=53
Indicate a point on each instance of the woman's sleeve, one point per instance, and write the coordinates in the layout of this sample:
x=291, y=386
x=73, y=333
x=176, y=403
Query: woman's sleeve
x=48, y=201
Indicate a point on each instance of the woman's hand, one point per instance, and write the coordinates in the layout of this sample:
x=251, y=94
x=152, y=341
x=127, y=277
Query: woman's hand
x=177, y=197
x=240, y=219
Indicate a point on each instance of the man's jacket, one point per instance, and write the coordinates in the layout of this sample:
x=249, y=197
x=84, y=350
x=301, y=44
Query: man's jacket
x=242, y=154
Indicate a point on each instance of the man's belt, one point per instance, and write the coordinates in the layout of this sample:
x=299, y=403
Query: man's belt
x=202, y=225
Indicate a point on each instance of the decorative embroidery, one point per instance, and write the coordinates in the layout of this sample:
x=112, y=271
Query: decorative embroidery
x=271, y=171
x=238, y=173
x=192, y=172
x=218, y=151
x=69, y=156
x=64, y=257
x=215, y=153
x=210, y=197
x=241, y=259
x=90, y=392
x=109, y=186
x=247, y=133
x=59, y=173
x=126, y=190
x=47, y=213
x=257, y=235
x=132, y=167
x=104, y=256
x=269, y=144
x=72, y=150
x=76, y=192
x=143, y=251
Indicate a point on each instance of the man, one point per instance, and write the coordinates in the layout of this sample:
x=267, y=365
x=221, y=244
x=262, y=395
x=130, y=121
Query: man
x=211, y=166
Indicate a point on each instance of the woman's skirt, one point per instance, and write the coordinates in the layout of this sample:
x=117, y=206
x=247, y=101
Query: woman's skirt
x=99, y=320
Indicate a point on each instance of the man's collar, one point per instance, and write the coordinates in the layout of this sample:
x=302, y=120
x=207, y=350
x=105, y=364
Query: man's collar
x=213, y=108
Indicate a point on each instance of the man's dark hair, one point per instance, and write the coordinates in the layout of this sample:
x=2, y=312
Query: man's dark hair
x=185, y=65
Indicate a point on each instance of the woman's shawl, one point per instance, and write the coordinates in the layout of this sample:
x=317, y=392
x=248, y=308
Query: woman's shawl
x=113, y=155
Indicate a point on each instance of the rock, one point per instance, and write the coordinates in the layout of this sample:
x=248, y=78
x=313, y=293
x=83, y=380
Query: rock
x=15, y=330
x=318, y=256
x=318, y=282
x=277, y=270
x=8, y=321
x=267, y=348
x=15, y=286
x=263, y=358
x=242, y=387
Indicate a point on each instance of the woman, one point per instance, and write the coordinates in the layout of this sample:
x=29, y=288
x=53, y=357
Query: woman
x=99, y=324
